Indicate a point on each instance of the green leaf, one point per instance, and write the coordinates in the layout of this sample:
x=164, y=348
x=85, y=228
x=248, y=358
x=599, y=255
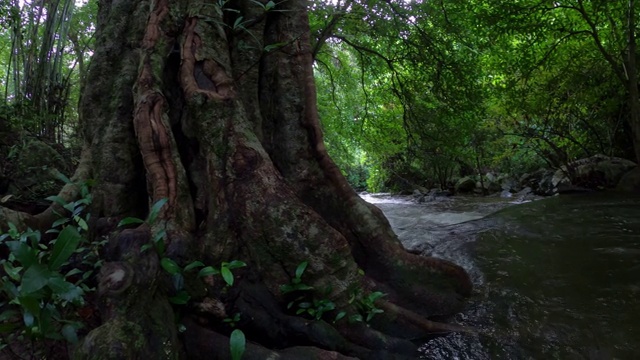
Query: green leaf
x=63, y=177
x=235, y=264
x=178, y=281
x=340, y=315
x=270, y=48
x=69, y=332
x=159, y=235
x=10, y=289
x=370, y=316
x=59, y=222
x=28, y=319
x=7, y=321
x=13, y=272
x=23, y=253
x=180, y=299
x=375, y=296
x=227, y=275
x=145, y=247
x=72, y=272
x=83, y=224
x=155, y=210
x=56, y=199
x=301, y=268
x=65, y=290
x=30, y=304
x=302, y=287
x=129, y=221
x=237, y=344
x=35, y=278
x=208, y=270
x=170, y=266
x=160, y=247
x=69, y=207
x=258, y=3
x=304, y=305
x=193, y=265
x=66, y=244
x=270, y=5
x=8, y=315
x=238, y=22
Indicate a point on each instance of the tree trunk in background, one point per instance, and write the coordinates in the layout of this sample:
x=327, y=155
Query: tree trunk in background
x=632, y=81
x=214, y=109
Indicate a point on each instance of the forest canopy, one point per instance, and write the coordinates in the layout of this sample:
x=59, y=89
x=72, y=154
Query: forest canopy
x=410, y=93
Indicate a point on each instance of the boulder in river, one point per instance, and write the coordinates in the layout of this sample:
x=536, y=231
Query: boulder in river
x=596, y=172
x=465, y=185
x=630, y=182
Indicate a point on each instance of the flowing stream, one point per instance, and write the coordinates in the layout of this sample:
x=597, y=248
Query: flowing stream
x=557, y=278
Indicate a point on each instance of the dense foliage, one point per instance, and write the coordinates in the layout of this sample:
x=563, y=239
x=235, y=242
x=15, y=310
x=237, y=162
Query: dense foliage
x=410, y=93
x=419, y=93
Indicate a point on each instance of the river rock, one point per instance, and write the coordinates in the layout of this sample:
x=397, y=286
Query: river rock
x=542, y=183
x=630, y=182
x=509, y=183
x=465, y=185
x=595, y=172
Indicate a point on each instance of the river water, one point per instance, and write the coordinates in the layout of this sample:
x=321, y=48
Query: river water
x=557, y=278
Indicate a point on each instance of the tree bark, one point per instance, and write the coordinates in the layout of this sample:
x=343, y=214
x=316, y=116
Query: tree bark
x=632, y=80
x=214, y=109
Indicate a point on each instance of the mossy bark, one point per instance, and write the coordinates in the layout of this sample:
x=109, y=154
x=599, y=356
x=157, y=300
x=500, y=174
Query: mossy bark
x=217, y=114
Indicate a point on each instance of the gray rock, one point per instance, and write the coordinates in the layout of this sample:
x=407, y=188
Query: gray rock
x=465, y=185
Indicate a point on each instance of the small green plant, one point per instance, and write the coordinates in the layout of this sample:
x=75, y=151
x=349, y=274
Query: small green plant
x=237, y=344
x=316, y=308
x=296, y=283
x=224, y=270
x=232, y=321
x=306, y=302
x=40, y=288
x=366, y=306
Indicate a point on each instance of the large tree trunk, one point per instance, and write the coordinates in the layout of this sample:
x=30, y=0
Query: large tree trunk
x=214, y=109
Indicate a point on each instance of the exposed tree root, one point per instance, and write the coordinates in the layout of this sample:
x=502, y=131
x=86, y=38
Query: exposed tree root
x=273, y=201
x=205, y=344
x=137, y=319
x=428, y=326
x=68, y=193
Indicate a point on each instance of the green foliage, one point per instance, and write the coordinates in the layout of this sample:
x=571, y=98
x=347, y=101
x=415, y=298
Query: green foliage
x=366, y=306
x=224, y=270
x=232, y=321
x=237, y=344
x=296, y=283
x=44, y=48
x=40, y=286
x=306, y=302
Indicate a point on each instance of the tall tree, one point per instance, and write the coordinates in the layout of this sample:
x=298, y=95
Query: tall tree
x=212, y=106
